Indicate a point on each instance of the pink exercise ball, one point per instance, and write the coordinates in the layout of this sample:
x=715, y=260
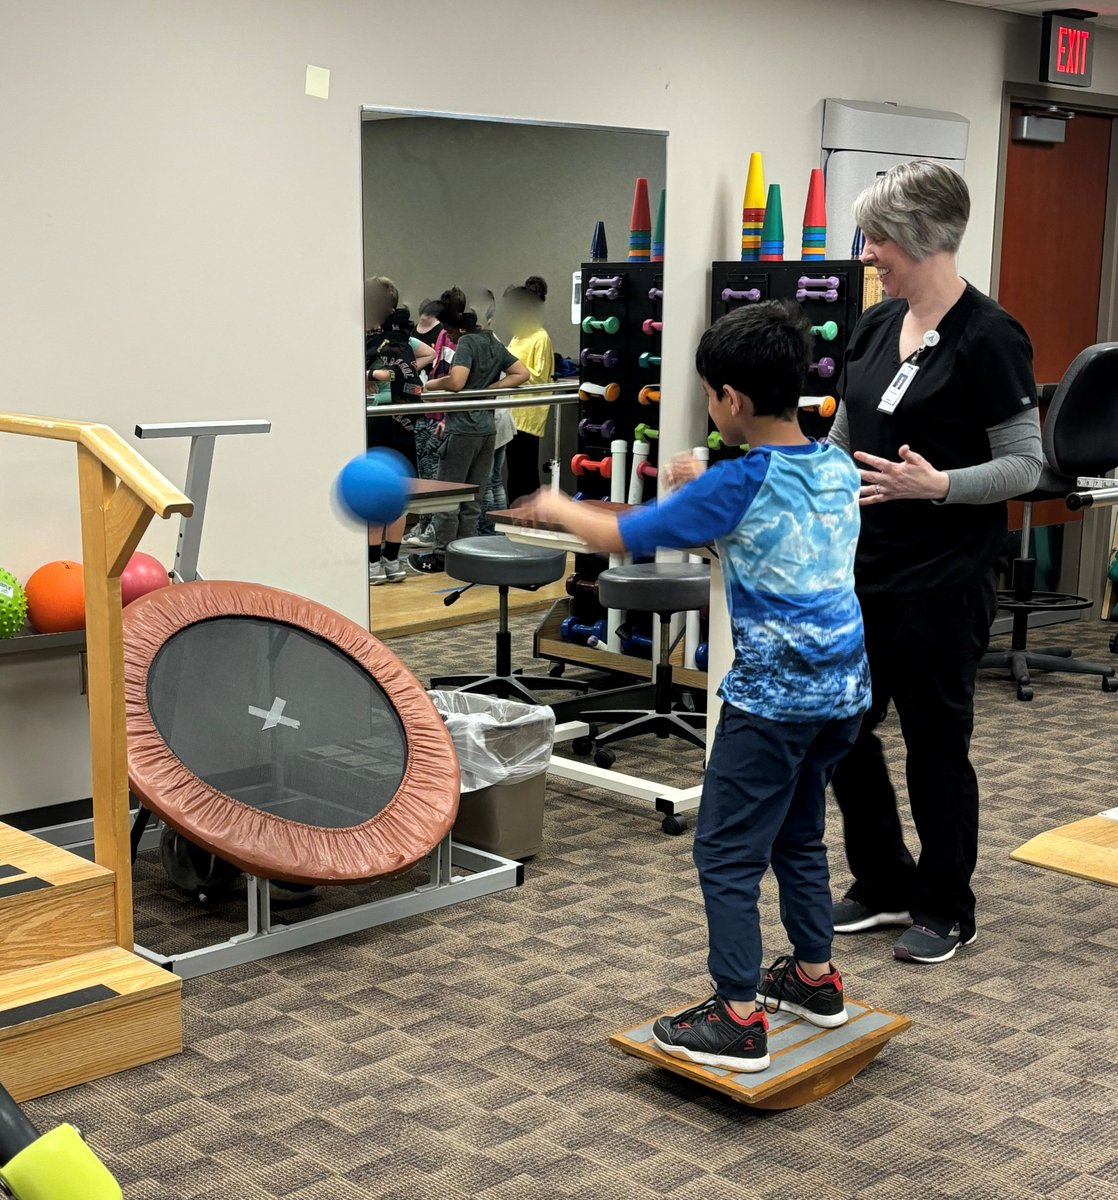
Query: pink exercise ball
x=143, y=574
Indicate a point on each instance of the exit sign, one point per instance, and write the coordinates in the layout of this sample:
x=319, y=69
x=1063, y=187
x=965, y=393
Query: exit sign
x=1067, y=51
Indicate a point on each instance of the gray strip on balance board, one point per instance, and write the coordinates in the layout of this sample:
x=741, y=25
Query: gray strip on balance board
x=7, y=871
x=31, y=884
x=55, y=1004
x=832, y=1039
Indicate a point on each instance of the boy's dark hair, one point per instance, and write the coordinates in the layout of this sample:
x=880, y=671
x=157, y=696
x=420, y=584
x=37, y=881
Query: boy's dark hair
x=452, y=304
x=430, y=308
x=763, y=350
x=532, y=291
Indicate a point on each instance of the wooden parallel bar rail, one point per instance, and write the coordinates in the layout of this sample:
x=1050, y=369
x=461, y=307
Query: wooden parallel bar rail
x=119, y=493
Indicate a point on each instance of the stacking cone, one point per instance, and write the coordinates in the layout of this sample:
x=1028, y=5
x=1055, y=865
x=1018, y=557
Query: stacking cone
x=658, y=229
x=815, y=219
x=640, y=224
x=598, y=250
x=753, y=210
x=772, y=230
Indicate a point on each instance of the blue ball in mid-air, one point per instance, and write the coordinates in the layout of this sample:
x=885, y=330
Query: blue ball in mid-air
x=374, y=486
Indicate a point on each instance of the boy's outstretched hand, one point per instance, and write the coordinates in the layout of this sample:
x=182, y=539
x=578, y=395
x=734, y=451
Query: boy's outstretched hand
x=598, y=528
x=681, y=469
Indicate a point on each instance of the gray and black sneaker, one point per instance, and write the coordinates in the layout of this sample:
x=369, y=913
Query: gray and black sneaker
x=785, y=988
x=714, y=1035
x=852, y=916
x=920, y=944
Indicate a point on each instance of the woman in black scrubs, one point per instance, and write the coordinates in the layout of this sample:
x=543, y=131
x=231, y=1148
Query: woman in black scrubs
x=939, y=411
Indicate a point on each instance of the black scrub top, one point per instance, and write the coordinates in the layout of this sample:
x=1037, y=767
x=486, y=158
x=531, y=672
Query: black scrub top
x=979, y=375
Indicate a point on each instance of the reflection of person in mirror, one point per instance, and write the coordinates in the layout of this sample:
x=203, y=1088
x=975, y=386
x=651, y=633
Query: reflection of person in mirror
x=393, y=360
x=466, y=452
x=428, y=429
x=427, y=323
x=530, y=343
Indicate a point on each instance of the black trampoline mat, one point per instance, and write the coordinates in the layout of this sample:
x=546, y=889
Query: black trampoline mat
x=279, y=719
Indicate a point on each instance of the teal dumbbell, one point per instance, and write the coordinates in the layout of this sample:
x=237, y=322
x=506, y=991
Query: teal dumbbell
x=649, y=360
x=828, y=331
x=609, y=325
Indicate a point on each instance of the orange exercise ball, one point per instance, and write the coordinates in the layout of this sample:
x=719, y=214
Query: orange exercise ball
x=56, y=597
x=141, y=575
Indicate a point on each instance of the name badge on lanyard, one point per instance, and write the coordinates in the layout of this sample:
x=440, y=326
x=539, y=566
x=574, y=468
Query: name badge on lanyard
x=906, y=373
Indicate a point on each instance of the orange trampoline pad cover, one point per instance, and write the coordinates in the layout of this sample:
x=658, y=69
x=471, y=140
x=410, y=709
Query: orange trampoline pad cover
x=406, y=765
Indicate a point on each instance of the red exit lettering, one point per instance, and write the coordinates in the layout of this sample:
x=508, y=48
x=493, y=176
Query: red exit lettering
x=1071, y=50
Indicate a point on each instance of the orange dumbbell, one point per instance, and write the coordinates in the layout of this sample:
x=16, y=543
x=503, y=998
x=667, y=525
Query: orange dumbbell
x=599, y=391
x=649, y=395
x=582, y=464
x=825, y=406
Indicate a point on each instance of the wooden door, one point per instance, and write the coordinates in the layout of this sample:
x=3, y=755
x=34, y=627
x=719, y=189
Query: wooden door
x=1053, y=220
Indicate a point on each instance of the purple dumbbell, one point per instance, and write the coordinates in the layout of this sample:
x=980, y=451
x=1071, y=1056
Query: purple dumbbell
x=824, y=368
x=606, y=429
x=610, y=358
x=748, y=294
x=602, y=294
x=655, y=293
x=826, y=281
x=604, y=281
x=829, y=296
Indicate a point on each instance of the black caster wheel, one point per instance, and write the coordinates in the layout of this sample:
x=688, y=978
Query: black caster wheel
x=1114, y=643
x=583, y=745
x=1109, y=684
x=604, y=759
x=1024, y=693
x=556, y=669
x=673, y=825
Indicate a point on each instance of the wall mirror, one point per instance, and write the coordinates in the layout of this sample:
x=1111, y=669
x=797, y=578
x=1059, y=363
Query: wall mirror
x=484, y=204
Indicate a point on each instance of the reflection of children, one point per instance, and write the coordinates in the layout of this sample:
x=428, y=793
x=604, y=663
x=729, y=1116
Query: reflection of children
x=532, y=345
x=466, y=453
x=392, y=364
x=785, y=520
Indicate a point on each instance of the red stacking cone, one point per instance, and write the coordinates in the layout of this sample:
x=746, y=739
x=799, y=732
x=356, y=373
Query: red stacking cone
x=640, y=224
x=815, y=218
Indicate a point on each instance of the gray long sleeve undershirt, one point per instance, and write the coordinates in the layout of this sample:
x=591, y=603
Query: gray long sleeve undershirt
x=1016, y=460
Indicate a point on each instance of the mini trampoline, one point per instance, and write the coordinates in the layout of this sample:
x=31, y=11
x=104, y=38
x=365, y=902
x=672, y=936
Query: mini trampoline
x=285, y=739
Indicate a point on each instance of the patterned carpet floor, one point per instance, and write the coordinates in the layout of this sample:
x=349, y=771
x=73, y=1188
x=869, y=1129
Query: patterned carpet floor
x=464, y=1053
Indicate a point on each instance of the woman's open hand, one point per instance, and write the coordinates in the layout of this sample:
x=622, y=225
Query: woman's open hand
x=912, y=478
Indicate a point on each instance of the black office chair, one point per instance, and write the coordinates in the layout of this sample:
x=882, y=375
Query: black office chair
x=1080, y=437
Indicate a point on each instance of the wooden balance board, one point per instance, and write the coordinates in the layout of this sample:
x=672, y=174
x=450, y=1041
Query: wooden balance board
x=1087, y=849
x=807, y=1062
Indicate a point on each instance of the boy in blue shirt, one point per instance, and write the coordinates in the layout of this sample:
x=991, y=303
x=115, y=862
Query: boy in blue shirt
x=784, y=519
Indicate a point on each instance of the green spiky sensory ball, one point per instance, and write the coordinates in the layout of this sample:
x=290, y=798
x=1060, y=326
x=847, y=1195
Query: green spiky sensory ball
x=13, y=605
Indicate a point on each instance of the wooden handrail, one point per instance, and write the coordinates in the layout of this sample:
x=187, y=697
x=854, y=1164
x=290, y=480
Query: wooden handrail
x=134, y=471
x=119, y=492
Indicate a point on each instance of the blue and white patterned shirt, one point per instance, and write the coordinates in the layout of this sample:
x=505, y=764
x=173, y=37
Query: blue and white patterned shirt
x=785, y=522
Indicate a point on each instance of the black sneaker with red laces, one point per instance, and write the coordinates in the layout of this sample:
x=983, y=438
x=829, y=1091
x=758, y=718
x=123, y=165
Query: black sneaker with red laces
x=785, y=988
x=714, y=1035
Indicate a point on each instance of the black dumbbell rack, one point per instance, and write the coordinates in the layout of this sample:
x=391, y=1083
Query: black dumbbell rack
x=632, y=302
x=857, y=288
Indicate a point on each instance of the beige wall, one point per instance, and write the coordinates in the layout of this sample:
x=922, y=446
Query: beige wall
x=487, y=202
x=181, y=226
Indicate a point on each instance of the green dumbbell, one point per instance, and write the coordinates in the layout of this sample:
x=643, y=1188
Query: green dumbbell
x=828, y=331
x=609, y=325
x=715, y=442
x=645, y=433
x=649, y=360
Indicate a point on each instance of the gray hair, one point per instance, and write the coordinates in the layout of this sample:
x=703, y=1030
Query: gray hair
x=921, y=206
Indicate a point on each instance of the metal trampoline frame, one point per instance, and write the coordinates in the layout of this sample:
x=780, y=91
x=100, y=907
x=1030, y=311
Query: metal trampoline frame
x=263, y=938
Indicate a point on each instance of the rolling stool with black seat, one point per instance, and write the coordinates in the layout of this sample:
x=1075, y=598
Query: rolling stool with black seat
x=1080, y=437
x=664, y=589
x=497, y=562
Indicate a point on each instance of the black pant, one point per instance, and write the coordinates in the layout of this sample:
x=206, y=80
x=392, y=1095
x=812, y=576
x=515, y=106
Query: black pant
x=923, y=656
x=523, y=463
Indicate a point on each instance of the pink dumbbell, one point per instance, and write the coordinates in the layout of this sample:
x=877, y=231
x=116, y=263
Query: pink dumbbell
x=645, y=470
x=829, y=296
x=655, y=293
x=610, y=358
x=651, y=326
x=748, y=294
x=826, y=281
x=607, y=429
x=824, y=368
